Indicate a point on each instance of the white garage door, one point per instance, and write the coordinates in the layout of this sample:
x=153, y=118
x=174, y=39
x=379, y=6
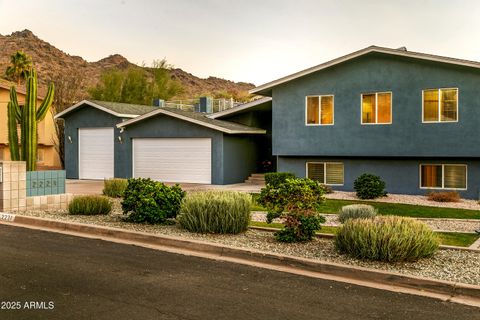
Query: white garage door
x=173, y=159
x=95, y=153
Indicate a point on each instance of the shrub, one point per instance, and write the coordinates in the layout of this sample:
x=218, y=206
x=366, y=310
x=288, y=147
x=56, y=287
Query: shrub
x=114, y=187
x=356, y=211
x=90, y=205
x=149, y=201
x=387, y=238
x=274, y=179
x=448, y=196
x=369, y=186
x=215, y=212
x=300, y=199
x=326, y=189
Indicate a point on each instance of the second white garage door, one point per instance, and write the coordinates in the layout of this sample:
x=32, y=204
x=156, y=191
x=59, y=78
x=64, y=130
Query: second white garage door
x=186, y=160
x=95, y=153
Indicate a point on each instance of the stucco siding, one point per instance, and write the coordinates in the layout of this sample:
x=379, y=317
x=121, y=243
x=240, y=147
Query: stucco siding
x=401, y=175
x=406, y=136
x=240, y=157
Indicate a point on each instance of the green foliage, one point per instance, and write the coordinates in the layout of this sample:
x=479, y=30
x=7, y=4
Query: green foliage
x=356, y=211
x=114, y=187
x=274, y=179
x=90, y=205
x=215, y=212
x=369, y=186
x=137, y=85
x=149, y=201
x=20, y=64
x=387, y=238
x=28, y=116
x=447, y=196
x=297, y=202
x=326, y=189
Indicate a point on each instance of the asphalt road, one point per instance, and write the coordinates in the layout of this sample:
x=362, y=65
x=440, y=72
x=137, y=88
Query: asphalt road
x=76, y=278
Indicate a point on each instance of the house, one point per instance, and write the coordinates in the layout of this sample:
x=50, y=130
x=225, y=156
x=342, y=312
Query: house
x=105, y=139
x=48, y=157
x=411, y=118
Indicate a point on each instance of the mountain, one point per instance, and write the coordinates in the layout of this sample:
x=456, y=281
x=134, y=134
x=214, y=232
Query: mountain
x=51, y=63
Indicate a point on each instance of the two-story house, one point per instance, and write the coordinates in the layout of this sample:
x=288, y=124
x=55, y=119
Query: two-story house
x=47, y=155
x=411, y=118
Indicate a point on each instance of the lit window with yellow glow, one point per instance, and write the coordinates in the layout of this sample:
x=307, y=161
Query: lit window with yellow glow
x=443, y=176
x=440, y=105
x=377, y=108
x=319, y=110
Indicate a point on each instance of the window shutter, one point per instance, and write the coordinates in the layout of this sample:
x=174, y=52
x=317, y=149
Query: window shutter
x=455, y=177
x=334, y=173
x=316, y=172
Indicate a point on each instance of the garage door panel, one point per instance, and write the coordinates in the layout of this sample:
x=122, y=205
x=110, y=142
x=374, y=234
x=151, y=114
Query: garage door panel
x=96, y=153
x=173, y=159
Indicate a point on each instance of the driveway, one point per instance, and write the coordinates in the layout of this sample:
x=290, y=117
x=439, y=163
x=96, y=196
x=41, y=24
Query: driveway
x=96, y=187
x=80, y=278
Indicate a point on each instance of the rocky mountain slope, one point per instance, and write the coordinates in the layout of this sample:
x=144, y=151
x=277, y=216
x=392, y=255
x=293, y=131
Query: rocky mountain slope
x=51, y=63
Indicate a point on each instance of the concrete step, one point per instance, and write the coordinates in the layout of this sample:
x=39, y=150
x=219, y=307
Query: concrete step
x=256, y=178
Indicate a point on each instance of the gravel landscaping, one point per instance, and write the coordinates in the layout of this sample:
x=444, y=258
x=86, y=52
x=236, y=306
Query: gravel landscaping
x=451, y=225
x=408, y=199
x=451, y=265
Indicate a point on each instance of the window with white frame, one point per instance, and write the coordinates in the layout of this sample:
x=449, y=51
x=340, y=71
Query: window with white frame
x=443, y=176
x=330, y=173
x=319, y=110
x=440, y=105
x=377, y=108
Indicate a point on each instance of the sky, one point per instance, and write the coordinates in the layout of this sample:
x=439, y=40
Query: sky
x=245, y=40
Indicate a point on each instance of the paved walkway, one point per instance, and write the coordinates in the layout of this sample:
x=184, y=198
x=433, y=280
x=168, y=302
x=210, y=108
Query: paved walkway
x=96, y=187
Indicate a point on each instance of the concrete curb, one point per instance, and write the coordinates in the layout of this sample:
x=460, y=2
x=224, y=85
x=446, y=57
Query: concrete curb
x=445, y=290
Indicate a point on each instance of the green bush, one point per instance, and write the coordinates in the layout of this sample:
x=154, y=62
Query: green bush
x=274, y=179
x=114, y=187
x=369, y=186
x=297, y=202
x=386, y=238
x=215, y=212
x=356, y=211
x=90, y=205
x=326, y=189
x=149, y=201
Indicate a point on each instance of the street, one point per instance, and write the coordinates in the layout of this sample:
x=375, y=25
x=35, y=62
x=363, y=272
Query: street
x=53, y=276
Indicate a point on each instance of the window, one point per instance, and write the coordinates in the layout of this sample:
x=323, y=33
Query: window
x=377, y=108
x=319, y=110
x=330, y=173
x=443, y=176
x=440, y=105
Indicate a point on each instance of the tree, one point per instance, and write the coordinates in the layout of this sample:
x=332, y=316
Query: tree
x=137, y=85
x=68, y=91
x=20, y=64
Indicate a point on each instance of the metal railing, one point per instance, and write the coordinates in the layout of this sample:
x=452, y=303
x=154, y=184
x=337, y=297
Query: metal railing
x=217, y=105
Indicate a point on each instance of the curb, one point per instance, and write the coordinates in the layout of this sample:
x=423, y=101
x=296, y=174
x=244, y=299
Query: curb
x=445, y=290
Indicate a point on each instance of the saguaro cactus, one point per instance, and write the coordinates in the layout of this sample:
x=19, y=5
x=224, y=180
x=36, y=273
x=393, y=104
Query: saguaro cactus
x=28, y=116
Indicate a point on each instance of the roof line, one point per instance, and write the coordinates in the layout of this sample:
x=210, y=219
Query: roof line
x=398, y=52
x=179, y=116
x=93, y=104
x=239, y=108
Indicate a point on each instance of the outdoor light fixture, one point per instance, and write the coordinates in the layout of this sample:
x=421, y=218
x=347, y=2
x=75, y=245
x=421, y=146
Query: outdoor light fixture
x=69, y=139
x=120, y=139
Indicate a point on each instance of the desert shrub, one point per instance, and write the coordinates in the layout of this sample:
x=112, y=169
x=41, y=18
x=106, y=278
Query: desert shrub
x=386, y=238
x=447, y=196
x=215, y=212
x=90, y=205
x=369, y=186
x=356, y=211
x=114, y=187
x=297, y=202
x=326, y=189
x=149, y=201
x=275, y=179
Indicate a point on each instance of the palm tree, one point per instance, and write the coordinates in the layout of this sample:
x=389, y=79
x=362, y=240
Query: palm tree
x=20, y=64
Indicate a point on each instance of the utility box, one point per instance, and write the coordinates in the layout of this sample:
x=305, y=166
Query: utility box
x=206, y=104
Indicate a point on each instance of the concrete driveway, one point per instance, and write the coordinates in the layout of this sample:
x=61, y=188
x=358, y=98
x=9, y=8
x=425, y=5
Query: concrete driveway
x=96, y=187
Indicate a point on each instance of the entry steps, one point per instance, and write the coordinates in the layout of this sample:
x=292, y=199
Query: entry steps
x=256, y=178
